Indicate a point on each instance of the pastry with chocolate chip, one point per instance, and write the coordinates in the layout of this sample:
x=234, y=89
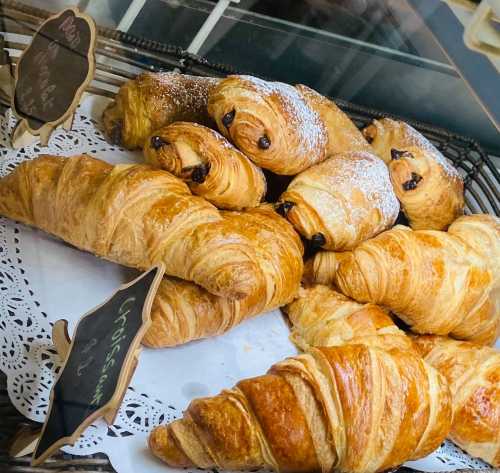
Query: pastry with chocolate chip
x=341, y=202
x=208, y=163
x=429, y=188
x=153, y=100
x=270, y=122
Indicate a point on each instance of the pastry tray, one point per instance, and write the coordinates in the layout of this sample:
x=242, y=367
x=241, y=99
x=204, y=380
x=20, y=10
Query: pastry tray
x=29, y=267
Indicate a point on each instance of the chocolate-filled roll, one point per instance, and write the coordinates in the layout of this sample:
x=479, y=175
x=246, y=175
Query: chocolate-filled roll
x=270, y=122
x=211, y=166
x=341, y=202
x=429, y=188
x=343, y=135
x=153, y=100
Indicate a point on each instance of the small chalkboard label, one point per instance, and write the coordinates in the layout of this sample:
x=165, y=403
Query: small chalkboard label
x=100, y=362
x=53, y=72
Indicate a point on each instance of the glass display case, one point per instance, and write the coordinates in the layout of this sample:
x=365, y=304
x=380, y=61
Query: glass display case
x=405, y=57
x=376, y=58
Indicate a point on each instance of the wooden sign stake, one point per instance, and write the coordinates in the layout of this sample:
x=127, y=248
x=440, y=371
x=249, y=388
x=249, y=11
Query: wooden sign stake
x=60, y=338
x=51, y=76
x=24, y=442
x=99, y=363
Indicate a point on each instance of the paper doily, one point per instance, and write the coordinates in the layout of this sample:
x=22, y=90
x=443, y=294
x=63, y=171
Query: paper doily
x=28, y=312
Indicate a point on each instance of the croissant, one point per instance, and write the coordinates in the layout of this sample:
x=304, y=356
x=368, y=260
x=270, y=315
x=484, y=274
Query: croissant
x=133, y=215
x=432, y=280
x=153, y=100
x=343, y=134
x=430, y=189
x=341, y=202
x=210, y=165
x=322, y=317
x=473, y=374
x=183, y=311
x=270, y=122
x=352, y=409
x=322, y=267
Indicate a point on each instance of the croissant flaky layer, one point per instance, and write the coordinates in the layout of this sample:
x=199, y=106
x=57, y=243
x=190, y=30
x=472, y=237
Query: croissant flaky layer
x=433, y=280
x=322, y=317
x=153, y=100
x=319, y=411
x=183, y=311
x=210, y=165
x=473, y=374
x=270, y=122
x=136, y=216
x=342, y=201
x=429, y=188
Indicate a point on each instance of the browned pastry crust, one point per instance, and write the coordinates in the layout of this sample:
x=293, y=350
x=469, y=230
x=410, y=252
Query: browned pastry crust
x=352, y=409
x=429, y=188
x=433, y=280
x=210, y=165
x=343, y=134
x=270, y=122
x=341, y=202
x=322, y=317
x=153, y=100
x=134, y=215
x=473, y=374
x=183, y=311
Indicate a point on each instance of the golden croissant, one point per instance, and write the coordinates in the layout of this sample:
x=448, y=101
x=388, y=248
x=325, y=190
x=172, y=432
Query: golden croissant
x=343, y=134
x=342, y=201
x=322, y=317
x=352, y=409
x=210, y=165
x=430, y=189
x=473, y=374
x=269, y=122
x=153, y=100
x=134, y=215
x=434, y=281
x=183, y=311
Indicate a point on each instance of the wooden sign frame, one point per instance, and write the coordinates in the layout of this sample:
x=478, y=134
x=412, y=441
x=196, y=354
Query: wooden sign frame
x=23, y=134
x=110, y=409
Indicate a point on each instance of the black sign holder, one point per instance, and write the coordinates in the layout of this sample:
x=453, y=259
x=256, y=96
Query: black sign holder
x=99, y=363
x=51, y=76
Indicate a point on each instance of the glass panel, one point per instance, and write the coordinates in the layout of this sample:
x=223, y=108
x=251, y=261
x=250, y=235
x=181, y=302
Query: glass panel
x=376, y=53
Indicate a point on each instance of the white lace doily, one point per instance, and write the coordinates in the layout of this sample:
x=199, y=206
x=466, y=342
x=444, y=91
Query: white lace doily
x=43, y=280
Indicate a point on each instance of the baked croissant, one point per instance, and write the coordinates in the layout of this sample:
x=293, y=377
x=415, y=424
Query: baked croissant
x=473, y=374
x=432, y=280
x=210, y=165
x=322, y=267
x=341, y=202
x=270, y=122
x=322, y=317
x=133, y=215
x=343, y=134
x=183, y=311
x=352, y=409
x=153, y=100
x=430, y=189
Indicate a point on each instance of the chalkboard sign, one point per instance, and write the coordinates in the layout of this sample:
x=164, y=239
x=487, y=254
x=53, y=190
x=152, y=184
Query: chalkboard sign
x=53, y=72
x=100, y=362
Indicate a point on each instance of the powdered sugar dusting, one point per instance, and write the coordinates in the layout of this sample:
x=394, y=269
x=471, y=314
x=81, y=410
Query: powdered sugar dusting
x=305, y=121
x=370, y=175
x=184, y=92
x=414, y=138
